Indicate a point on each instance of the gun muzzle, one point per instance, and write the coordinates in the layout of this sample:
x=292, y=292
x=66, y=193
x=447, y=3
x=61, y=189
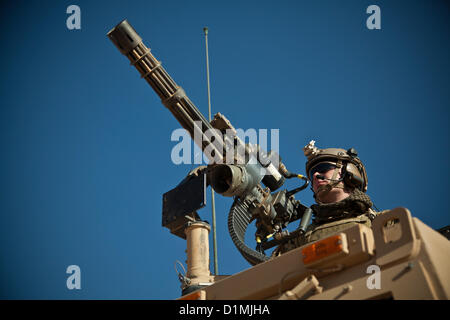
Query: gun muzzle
x=124, y=37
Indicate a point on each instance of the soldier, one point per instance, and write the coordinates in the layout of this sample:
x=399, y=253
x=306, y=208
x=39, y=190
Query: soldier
x=339, y=182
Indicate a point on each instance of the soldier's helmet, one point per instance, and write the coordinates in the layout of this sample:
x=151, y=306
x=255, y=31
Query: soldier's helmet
x=353, y=171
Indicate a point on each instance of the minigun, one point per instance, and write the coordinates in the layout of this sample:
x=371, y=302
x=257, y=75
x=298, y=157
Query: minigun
x=235, y=169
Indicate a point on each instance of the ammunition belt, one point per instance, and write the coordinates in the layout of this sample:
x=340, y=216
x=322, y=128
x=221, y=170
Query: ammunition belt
x=239, y=218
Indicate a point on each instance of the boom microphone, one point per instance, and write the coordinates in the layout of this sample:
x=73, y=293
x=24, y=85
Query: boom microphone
x=322, y=177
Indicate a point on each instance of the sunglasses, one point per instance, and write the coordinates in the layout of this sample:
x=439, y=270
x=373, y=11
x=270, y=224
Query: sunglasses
x=321, y=168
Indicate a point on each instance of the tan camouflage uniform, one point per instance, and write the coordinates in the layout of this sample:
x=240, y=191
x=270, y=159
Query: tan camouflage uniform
x=332, y=218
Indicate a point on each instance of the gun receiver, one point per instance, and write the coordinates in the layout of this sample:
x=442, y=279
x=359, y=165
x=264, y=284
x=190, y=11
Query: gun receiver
x=235, y=169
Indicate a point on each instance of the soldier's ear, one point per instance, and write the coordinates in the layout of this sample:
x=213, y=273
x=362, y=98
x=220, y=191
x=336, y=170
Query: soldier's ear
x=352, y=180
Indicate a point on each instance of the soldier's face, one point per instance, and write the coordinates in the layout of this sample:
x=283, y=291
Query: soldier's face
x=322, y=169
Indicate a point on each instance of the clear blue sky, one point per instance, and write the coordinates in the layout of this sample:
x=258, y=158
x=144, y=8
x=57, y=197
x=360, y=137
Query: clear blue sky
x=85, y=143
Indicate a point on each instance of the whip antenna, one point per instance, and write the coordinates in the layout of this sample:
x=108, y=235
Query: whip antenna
x=216, y=267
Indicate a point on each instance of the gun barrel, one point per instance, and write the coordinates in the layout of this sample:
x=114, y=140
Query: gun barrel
x=130, y=44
